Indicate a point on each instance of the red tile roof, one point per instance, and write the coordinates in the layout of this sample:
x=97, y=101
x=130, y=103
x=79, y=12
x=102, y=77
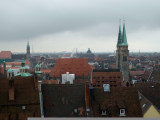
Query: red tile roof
x=49, y=81
x=113, y=66
x=132, y=58
x=134, y=73
x=13, y=63
x=5, y=54
x=17, y=63
x=99, y=59
x=77, y=66
x=45, y=71
x=27, y=62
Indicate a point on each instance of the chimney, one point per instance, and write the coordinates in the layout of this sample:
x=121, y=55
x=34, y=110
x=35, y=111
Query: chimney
x=11, y=90
x=39, y=85
x=67, y=76
x=106, y=87
x=41, y=98
x=87, y=98
x=35, y=82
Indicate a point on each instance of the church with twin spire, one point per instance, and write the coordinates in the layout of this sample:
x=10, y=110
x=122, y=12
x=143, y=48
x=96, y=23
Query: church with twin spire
x=122, y=53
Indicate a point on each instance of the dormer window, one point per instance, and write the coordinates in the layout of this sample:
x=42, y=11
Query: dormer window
x=103, y=112
x=122, y=112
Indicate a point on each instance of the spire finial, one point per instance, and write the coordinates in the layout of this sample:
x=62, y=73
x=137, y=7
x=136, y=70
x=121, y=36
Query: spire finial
x=123, y=19
x=119, y=21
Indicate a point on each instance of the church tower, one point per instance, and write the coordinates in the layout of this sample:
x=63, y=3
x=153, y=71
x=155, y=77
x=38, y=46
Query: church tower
x=122, y=53
x=28, y=51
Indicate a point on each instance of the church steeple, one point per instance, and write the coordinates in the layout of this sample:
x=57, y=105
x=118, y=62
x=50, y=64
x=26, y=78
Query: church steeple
x=122, y=53
x=119, y=35
x=124, y=38
x=28, y=46
x=28, y=51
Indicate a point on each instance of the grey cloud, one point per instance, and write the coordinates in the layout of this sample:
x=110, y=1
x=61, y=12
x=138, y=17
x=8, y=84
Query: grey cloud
x=33, y=18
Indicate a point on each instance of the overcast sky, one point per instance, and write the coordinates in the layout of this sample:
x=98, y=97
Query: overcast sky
x=63, y=25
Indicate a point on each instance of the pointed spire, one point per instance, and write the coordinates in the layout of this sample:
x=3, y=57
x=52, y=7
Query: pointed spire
x=28, y=44
x=119, y=34
x=124, y=37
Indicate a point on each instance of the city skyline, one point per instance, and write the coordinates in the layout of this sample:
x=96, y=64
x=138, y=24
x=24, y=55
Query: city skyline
x=56, y=26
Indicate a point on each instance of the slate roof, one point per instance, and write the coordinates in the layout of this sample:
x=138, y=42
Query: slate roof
x=77, y=66
x=118, y=98
x=151, y=91
x=25, y=95
x=61, y=100
x=24, y=90
x=145, y=103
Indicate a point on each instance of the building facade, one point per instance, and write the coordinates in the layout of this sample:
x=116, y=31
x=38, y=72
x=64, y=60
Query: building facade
x=122, y=54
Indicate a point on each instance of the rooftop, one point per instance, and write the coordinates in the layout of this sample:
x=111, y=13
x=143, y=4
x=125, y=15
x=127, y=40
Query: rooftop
x=77, y=66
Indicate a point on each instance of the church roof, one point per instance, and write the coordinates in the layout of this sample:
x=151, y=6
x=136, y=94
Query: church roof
x=38, y=72
x=77, y=66
x=23, y=74
x=89, y=51
x=37, y=66
x=23, y=68
x=10, y=70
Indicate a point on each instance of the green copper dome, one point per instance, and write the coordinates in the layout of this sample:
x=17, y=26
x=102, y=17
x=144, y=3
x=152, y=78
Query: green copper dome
x=38, y=72
x=10, y=70
x=37, y=66
x=23, y=68
x=24, y=74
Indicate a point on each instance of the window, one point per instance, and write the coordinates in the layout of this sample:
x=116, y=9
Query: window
x=124, y=58
x=122, y=112
x=103, y=112
x=9, y=75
